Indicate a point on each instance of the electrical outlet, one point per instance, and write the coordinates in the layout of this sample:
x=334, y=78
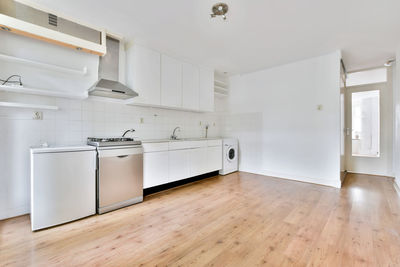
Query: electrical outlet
x=200, y=123
x=38, y=115
x=214, y=124
x=141, y=120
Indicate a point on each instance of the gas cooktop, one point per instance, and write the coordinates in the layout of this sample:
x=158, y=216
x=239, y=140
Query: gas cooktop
x=112, y=141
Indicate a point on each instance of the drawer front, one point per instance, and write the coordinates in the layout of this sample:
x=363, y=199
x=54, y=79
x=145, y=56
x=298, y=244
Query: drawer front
x=155, y=147
x=217, y=142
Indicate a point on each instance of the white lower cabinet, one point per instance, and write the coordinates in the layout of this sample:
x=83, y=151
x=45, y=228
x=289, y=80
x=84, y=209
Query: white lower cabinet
x=179, y=165
x=214, y=158
x=198, y=161
x=165, y=163
x=155, y=168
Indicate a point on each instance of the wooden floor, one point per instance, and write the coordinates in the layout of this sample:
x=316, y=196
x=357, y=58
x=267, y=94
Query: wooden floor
x=238, y=220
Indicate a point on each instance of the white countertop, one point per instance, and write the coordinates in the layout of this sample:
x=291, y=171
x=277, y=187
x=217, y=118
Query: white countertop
x=52, y=149
x=179, y=140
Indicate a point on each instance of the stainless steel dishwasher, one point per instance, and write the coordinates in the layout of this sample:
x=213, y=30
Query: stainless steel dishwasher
x=119, y=175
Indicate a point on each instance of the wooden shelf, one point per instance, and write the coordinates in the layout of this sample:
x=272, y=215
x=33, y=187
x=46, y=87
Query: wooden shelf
x=43, y=65
x=29, y=106
x=44, y=92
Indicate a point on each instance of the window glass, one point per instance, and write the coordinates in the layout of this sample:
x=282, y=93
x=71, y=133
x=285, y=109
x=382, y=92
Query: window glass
x=365, y=123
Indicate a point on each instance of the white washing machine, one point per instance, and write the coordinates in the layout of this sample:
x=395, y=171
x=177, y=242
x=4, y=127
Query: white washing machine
x=230, y=155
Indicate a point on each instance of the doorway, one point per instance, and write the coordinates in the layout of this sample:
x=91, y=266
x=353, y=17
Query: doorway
x=369, y=128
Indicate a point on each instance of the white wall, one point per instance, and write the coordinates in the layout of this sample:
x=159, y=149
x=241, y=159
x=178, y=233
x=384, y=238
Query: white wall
x=281, y=132
x=74, y=122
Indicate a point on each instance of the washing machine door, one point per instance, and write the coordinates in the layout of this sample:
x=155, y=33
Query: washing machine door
x=230, y=154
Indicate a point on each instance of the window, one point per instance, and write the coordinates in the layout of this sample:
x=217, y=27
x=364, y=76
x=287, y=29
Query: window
x=367, y=77
x=365, y=123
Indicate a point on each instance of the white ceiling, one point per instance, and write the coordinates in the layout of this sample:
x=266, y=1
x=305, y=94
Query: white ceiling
x=257, y=34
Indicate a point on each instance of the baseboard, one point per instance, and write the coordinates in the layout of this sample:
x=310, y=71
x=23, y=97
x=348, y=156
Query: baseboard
x=14, y=212
x=376, y=173
x=397, y=186
x=331, y=183
x=372, y=174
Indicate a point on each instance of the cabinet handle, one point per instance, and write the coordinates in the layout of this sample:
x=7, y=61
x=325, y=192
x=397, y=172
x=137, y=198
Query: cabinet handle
x=123, y=156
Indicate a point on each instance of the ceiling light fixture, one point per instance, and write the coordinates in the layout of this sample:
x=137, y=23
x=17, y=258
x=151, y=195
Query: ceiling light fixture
x=389, y=63
x=219, y=9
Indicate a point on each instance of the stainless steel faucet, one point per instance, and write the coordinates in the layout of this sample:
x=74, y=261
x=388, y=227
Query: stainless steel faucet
x=127, y=131
x=173, y=136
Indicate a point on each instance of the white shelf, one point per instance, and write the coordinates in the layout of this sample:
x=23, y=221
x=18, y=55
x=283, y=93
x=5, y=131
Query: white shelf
x=220, y=94
x=222, y=89
x=43, y=65
x=220, y=83
x=29, y=106
x=35, y=91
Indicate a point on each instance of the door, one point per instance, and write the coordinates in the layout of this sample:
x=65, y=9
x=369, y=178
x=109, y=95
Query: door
x=190, y=86
x=63, y=187
x=143, y=74
x=155, y=169
x=120, y=176
x=368, y=130
x=179, y=164
x=171, y=82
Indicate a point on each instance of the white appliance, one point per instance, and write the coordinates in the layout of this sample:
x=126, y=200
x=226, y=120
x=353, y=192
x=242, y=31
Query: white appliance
x=63, y=184
x=229, y=156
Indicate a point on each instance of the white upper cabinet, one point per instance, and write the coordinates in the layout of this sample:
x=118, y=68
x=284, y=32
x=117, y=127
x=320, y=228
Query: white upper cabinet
x=163, y=81
x=143, y=74
x=190, y=86
x=206, y=96
x=171, y=82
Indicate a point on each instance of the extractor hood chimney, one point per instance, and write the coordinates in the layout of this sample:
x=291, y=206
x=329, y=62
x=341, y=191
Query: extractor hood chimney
x=108, y=85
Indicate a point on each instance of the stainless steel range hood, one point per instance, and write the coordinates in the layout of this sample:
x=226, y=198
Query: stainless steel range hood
x=108, y=84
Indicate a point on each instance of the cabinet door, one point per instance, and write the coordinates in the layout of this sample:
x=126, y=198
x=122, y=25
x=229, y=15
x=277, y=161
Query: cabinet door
x=214, y=158
x=206, y=96
x=171, y=82
x=198, y=161
x=178, y=165
x=155, y=169
x=190, y=86
x=143, y=74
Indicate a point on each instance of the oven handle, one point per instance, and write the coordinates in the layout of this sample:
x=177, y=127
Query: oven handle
x=121, y=153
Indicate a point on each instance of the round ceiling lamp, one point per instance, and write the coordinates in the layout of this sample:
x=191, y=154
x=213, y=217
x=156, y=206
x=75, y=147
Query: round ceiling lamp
x=219, y=9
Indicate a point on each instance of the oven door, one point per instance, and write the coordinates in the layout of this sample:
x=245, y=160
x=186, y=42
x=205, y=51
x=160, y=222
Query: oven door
x=119, y=178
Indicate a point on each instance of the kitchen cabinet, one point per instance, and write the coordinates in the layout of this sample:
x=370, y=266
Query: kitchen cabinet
x=206, y=91
x=171, y=82
x=170, y=161
x=143, y=74
x=214, y=158
x=198, y=161
x=163, y=81
x=155, y=168
x=179, y=165
x=190, y=86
